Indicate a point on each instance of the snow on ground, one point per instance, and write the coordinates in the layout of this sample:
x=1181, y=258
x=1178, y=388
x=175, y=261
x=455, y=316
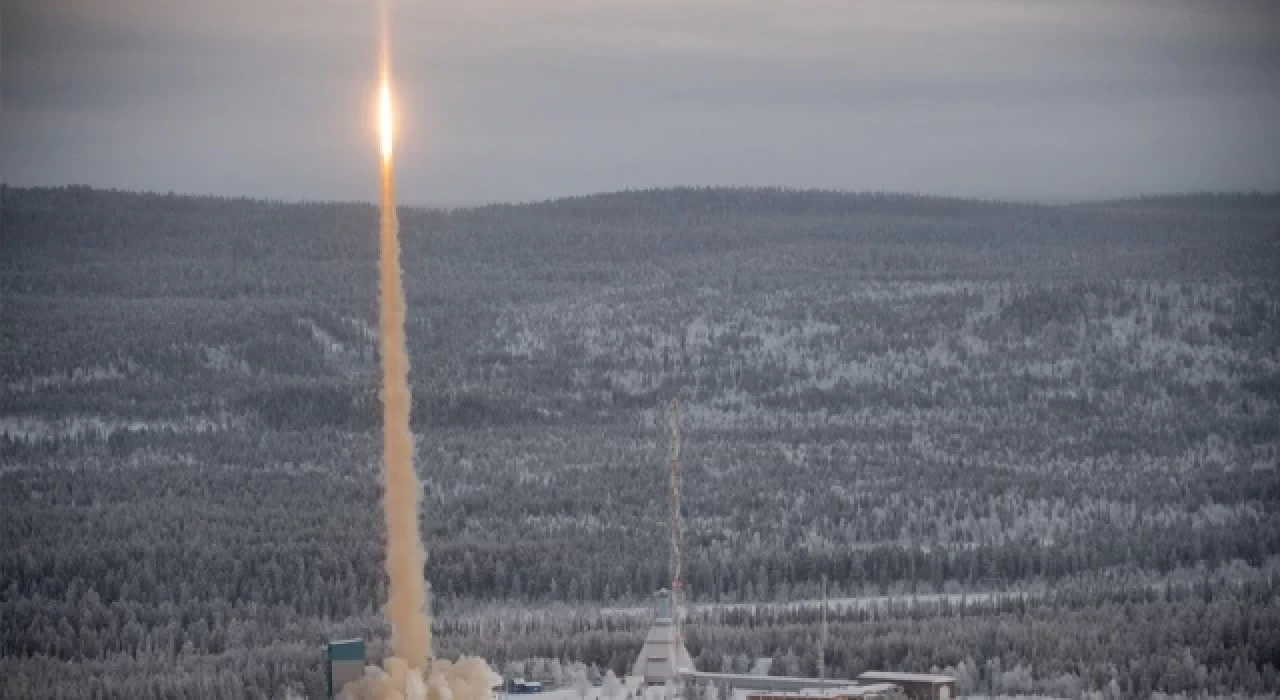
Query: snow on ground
x=346, y=360
x=660, y=693
x=221, y=358
x=77, y=376
x=328, y=344
x=32, y=429
x=838, y=604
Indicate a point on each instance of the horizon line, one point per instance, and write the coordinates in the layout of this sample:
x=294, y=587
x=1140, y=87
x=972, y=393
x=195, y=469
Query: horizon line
x=1055, y=200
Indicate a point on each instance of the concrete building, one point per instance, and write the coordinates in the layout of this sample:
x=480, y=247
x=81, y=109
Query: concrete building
x=662, y=659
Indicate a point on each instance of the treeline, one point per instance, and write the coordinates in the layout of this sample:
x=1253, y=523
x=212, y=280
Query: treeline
x=1213, y=637
x=242, y=238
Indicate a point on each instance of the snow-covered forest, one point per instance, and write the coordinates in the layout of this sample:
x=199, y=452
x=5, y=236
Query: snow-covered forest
x=1035, y=445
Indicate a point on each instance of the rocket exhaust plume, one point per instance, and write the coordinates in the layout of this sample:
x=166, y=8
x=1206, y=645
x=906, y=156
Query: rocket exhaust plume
x=406, y=556
x=411, y=673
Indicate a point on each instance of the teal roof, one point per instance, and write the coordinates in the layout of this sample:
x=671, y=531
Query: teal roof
x=347, y=650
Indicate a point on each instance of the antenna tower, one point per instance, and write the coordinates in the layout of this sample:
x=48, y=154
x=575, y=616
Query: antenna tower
x=675, y=525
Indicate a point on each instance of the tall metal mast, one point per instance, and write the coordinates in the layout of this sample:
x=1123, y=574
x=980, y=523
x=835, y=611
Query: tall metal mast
x=675, y=525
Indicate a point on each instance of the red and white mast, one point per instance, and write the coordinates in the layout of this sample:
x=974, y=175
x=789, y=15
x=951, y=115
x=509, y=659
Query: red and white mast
x=675, y=526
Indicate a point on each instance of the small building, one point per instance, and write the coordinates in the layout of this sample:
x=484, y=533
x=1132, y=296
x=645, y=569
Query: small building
x=916, y=686
x=520, y=686
x=870, y=691
x=344, y=663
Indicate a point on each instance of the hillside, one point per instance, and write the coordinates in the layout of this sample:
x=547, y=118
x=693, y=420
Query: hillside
x=900, y=393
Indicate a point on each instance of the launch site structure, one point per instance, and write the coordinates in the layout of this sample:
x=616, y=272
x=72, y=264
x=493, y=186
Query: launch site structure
x=664, y=658
x=675, y=522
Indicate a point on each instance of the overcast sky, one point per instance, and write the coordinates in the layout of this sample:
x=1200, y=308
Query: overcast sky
x=527, y=99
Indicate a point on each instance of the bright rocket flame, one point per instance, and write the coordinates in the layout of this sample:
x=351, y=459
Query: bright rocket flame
x=385, y=121
x=386, y=116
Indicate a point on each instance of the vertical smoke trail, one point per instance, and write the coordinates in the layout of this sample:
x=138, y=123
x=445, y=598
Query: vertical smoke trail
x=406, y=556
x=406, y=674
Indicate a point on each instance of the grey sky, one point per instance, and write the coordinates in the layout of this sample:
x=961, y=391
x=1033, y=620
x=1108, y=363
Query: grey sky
x=527, y=99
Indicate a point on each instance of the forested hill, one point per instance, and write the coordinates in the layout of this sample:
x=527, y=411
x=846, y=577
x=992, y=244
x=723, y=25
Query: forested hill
x=904, y=395
x=643, y=223
x=153, y=277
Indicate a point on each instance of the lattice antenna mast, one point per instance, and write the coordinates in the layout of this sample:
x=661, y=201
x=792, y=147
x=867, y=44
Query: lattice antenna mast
x=675, y=525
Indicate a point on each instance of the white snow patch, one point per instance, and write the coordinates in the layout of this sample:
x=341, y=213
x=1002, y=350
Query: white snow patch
x=77, y=376
x=34, y=429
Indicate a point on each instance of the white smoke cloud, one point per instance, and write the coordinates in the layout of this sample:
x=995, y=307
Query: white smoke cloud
x=467, y=679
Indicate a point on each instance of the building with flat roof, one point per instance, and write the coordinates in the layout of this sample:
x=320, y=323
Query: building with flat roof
x=916, y=686
x=870, y=691
x=768, y=685
x=344, y=663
